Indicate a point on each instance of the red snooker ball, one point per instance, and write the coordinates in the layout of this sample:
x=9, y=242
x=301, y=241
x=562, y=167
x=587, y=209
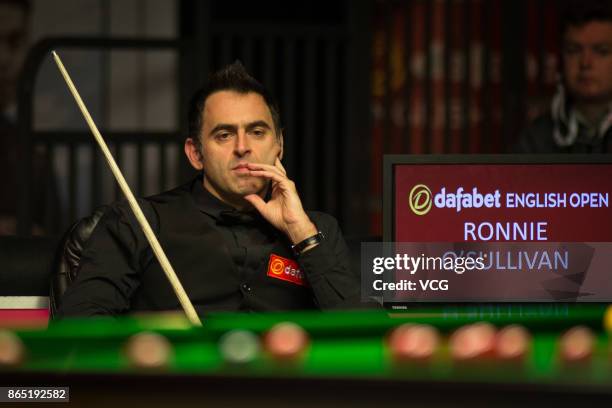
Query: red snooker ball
x=413, y=342
x=12, y=350
x=472, y=342
x=577, y=345
x=513, y=343
x=148, y=350
x=286, y=341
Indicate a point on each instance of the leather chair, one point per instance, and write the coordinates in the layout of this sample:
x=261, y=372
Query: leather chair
x=68, y=257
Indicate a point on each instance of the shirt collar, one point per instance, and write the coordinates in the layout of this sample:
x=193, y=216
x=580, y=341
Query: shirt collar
x=217, y=209
x=590, y=128
x=600, y=127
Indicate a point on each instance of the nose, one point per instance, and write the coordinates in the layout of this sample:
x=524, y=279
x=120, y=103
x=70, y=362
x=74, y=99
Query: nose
x=242, y=146
x=586, y=59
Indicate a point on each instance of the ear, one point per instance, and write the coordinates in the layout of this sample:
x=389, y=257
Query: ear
x=281, y=142
x=194, y=155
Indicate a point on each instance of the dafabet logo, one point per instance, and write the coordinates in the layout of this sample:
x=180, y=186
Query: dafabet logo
x=419, y=199
x=285, y=269
x=277, y=266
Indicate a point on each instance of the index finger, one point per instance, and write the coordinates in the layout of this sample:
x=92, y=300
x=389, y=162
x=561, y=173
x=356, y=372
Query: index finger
x=278, y=164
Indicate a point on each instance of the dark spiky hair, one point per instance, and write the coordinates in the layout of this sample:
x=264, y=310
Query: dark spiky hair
x=576, y=13
x=232, y=77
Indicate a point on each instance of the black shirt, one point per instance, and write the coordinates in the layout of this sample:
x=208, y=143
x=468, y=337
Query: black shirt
x=538, y=138
x=247, y=235
x=222, y=257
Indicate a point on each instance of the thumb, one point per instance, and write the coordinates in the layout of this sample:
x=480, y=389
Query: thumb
x=256, y=201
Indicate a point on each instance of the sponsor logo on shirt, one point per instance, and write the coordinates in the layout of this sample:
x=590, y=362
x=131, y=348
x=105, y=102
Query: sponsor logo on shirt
x=285, y=269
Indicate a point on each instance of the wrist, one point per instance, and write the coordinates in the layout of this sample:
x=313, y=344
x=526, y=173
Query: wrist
x=300, y=231
x=307, y=244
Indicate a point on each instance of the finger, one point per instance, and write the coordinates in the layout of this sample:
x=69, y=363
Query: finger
x=270, y=175
x=266, y=167
x=257, y=202
x=279, y=165
x=278, y=182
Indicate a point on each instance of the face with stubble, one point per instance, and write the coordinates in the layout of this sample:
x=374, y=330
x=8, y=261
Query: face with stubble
x=237, y=129
x=587, y=55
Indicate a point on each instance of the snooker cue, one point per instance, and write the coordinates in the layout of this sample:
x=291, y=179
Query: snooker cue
x=142, y=220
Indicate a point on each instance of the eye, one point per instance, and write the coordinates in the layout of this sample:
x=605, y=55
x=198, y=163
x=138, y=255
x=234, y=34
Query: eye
x=571, y=49
x=259, y=132
x=602, y=50
x=223, y=136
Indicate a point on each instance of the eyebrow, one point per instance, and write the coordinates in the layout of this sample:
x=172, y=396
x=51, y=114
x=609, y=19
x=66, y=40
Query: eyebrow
x=234, y=128
x=224, y=126
x=257, y=123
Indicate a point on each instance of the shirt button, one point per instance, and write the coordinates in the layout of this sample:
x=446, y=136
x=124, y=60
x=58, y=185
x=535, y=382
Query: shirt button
x=246, y=287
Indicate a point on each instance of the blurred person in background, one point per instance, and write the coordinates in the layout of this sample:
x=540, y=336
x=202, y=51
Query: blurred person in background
x=580, y=115
x=14, y=46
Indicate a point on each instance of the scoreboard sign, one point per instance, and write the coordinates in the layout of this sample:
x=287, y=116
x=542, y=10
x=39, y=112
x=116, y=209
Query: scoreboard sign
x=493, y=228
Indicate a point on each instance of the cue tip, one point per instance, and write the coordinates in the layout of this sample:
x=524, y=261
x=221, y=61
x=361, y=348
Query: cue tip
x=56, y=57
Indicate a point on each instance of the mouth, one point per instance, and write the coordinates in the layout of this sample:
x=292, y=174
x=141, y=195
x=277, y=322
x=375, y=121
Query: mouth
x=586, y=80
x=241, y=168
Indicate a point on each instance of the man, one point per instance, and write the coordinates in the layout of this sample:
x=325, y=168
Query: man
x=580, y=119
x=237, y=235
x=14, y=28
x=44, y=202
x=14, y=21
